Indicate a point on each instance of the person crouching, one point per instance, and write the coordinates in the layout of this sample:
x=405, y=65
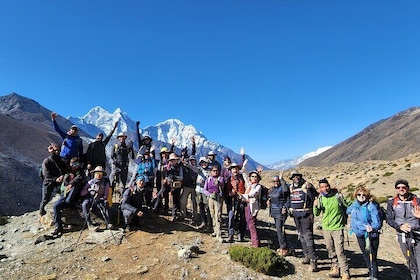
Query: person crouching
x=133, y=202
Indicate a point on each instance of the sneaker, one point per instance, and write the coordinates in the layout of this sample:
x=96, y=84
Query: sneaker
x=314, y=266
x=127, y=228
x=306, y=260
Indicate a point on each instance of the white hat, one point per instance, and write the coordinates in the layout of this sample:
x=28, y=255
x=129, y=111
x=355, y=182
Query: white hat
x=98, y=169
x=203, y=159
x=211, y=153
x=173, y=156
x=121, y=134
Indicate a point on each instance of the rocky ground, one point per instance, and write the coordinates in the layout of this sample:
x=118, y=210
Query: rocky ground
x=161, y=249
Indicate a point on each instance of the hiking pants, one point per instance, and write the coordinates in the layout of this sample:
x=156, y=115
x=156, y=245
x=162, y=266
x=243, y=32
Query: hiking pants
x=374, y=244
x=163, y=194
x=186, y=191
x=214, y=206
x=334, y=241
x=413, y=258
x=47, y=192
x=252, y=226
x=305, y=229
x=203, y=207
x=281, y=233
x=58, y=206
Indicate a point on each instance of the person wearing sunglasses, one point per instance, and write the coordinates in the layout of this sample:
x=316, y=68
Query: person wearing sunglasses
x=365, y=224
x=252, y=198
x=279, y=202
x=402, y=213
x=72, y=184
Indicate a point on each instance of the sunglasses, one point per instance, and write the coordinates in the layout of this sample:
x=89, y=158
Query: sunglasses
x=276, y=181
x=401, y=187
x=215, y=170
x=254, y=176
x=361, y=194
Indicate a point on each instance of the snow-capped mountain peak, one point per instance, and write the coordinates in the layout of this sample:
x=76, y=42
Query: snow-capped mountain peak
x=290, y=163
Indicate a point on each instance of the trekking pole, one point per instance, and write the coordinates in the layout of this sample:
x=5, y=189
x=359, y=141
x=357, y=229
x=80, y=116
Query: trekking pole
x=102, y=210
x=369, y=241
x=86, y=218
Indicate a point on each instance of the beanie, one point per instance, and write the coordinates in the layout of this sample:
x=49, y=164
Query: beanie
x=402, y=182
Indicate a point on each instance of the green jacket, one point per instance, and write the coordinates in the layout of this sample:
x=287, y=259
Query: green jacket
x=334, y=216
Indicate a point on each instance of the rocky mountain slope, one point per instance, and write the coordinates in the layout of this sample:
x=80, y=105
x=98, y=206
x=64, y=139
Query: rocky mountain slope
x=387, y=139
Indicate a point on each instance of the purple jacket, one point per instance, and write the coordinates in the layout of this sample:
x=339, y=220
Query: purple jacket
x=213, y=185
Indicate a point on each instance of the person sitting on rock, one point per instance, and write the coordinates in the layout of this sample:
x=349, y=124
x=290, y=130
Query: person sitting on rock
x=73, y=183
x=96, y=193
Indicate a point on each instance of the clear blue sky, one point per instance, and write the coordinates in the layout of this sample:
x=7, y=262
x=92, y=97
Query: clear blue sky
x=280, y=78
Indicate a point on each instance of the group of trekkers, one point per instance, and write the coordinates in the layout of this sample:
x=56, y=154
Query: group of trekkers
x=171, y=181
x=302, y=201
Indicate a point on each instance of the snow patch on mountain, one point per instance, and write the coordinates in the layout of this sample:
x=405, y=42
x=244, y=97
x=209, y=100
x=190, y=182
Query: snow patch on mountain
x=291, y=163
x=163, y=134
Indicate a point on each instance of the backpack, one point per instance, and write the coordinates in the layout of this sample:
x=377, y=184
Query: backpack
x=381, y=212
x=396, y=199
x=263, y=197
x=343, y=207
x=40, y=174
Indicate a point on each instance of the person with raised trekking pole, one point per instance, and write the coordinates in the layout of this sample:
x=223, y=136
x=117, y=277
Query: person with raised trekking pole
x=403, y=214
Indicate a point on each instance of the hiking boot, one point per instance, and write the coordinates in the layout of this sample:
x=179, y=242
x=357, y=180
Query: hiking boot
x=57, y=232
x=314, y=266
x=230, y=239
x=345, y=276
x=306, y=260
x=334, y=272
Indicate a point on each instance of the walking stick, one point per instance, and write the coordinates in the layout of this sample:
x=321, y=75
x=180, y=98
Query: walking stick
x=85, y=222
x=102, y=210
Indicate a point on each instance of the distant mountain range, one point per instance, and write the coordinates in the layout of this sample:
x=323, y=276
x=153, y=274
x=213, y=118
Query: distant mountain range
x=99, y=120
x=26, y=130
x=291, y=163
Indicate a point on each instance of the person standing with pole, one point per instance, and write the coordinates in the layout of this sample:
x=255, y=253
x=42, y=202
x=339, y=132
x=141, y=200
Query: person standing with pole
x=365, y=223
x=403, y=214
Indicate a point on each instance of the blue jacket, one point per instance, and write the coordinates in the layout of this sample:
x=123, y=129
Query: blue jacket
x=72, y=146
x=362, y=215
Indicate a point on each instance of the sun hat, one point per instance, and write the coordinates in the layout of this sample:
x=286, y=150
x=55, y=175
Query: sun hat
x=295, y=173
x=233, y=165
x=121, y=134
x=173, y=156
x=98, y=169
x=254, y=172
